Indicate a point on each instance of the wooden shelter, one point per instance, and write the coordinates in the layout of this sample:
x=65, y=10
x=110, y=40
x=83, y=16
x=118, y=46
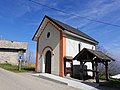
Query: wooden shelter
x=95, y=57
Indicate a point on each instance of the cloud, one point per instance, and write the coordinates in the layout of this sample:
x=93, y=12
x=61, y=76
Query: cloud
x=18, y=8
x=33, y=23
x=116, y=53
x=114, y=48
x=96, y=10
x=116, y=45
x=113, y=51
x=101, y=8
x=14, y=9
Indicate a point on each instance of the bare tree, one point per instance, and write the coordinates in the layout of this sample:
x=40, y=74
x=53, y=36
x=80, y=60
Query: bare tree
x=30, y=57
x=1, y=37
x=113, y=66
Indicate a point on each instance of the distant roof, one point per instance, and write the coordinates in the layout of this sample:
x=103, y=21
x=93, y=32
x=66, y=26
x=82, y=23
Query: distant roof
x=82, y=55
x=68, y=28
x=5, y=44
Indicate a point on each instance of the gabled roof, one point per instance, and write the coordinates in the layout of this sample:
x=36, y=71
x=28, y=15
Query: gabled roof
x=68, y=28
x=82, y=55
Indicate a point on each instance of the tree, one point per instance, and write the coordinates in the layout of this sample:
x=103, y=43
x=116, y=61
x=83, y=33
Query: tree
x=113, y=66
x=30, y=58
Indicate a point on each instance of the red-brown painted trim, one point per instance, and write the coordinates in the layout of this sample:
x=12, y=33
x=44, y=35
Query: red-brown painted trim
x=62, y=48
x=62, y=53
x=47, y=47
x=36, y=65
x=45, y=27
x=43, y=30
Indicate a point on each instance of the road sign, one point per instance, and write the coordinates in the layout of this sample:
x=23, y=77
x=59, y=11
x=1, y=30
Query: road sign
x=20, y=62
x=20, y=57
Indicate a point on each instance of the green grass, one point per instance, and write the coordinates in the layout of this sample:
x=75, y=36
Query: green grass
x=114, y=83
x=13, y=68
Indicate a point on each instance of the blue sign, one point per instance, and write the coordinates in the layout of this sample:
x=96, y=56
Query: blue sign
x=20, y=57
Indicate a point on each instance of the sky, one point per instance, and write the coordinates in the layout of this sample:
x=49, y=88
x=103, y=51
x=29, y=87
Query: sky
x=19, y=20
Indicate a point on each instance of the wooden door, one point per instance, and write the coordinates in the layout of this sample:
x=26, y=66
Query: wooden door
x=48, y=62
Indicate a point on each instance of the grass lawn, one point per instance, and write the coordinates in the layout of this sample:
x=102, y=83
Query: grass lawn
x=114, y=83
x=15, y=68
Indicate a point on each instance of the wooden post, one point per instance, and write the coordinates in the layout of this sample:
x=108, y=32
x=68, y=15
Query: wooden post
x=71, y=69
x=82, y=71
x=93, y=68
x=65, y=67
x=19, y=65
x=97, y=73
x=106, y=71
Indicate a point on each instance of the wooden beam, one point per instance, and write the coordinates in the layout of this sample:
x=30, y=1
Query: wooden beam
x=65, y=67
x=93, y=68
x=97, y=73
x=106, y=71
x=82, y=71
x=90, y=60
x=71, y=69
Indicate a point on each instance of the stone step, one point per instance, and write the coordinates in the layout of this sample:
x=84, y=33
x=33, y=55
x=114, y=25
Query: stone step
x=67, y=81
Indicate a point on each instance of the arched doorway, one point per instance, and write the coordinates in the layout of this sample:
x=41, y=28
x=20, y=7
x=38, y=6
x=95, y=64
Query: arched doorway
x=48, y=62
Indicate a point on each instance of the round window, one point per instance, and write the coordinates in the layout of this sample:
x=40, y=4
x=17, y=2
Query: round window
x=48, y=35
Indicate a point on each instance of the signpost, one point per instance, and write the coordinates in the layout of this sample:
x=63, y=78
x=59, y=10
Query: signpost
x=20, y=63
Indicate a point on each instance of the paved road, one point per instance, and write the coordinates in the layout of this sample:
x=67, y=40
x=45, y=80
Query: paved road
x=14, y=81
x=25, y=81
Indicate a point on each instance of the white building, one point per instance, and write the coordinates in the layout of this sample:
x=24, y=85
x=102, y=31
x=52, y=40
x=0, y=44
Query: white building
x=56, y=40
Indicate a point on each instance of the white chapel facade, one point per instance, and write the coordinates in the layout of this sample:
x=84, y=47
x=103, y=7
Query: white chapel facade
x=56, y=40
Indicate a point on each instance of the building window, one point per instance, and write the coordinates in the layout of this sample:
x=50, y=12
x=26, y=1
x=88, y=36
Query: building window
x=79, y=47
x=48, y=35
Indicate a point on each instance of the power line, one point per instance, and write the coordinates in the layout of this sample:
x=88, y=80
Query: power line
x=74, y=14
